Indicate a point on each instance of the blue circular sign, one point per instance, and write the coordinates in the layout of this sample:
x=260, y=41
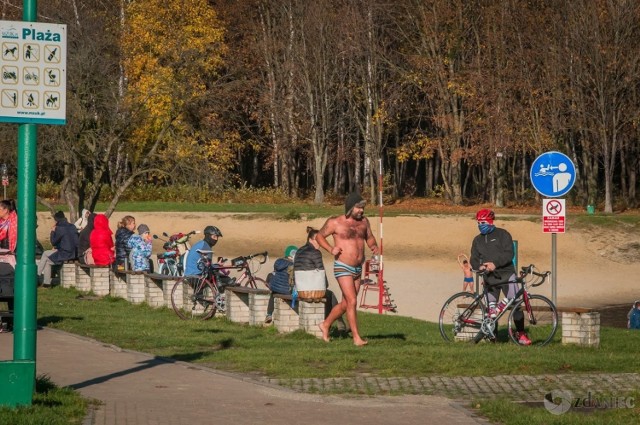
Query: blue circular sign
x=552, y=174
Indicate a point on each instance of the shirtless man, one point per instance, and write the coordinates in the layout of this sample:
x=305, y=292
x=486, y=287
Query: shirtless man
x=350, y=232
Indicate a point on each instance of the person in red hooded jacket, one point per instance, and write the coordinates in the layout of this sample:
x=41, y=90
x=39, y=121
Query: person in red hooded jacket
x=101, y=241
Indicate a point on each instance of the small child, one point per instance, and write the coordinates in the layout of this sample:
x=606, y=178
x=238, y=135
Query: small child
x=140, y=246
x=634, y=316
x=467, y=283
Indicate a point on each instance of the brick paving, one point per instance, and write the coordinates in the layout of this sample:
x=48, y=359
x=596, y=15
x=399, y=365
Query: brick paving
x=514, y=387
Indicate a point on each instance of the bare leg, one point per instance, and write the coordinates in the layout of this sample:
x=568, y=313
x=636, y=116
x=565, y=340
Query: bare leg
x=350, y=301
x=337, y=311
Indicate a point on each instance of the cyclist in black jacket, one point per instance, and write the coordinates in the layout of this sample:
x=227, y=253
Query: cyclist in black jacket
x=492, y=252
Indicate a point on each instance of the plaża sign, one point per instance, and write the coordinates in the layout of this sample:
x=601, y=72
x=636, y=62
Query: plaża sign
x=33, y=82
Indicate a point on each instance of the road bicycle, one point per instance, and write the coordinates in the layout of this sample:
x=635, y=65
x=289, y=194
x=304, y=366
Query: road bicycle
x=199, y=297
x=464, y=316
x=249, y=265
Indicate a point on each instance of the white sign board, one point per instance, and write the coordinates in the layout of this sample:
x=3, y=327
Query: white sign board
x=33, y=72
x=553, y=215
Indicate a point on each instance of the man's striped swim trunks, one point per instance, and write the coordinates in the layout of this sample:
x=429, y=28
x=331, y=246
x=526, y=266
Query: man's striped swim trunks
x=341, y=269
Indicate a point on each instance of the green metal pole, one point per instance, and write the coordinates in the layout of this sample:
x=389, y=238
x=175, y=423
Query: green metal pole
x=24, y=342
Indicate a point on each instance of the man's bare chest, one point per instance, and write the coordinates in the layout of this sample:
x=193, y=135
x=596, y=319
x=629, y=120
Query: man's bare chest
x=352, y=231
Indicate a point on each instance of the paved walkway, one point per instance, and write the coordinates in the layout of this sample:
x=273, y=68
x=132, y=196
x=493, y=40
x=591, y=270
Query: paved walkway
x=136, y=388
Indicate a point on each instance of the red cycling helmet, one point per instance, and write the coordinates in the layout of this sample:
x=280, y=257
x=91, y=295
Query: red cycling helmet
x=485, y=215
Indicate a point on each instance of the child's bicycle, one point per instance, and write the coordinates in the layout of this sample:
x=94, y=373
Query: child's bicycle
x=171, y=261
x=464, y=316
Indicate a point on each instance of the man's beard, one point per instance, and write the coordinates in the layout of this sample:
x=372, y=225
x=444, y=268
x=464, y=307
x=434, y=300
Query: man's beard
x=358, y=216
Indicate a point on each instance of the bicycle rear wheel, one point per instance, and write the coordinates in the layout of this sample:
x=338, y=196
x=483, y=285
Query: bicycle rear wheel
x=540, y=321
x=257, y=283
x=194, y=299
x=461, y=318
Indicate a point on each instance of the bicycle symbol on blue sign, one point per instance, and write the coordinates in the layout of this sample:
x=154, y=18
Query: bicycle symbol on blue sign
x=553, y=174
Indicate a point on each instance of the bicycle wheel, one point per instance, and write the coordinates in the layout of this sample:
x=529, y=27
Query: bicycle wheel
x=540, y=321
x=461, y=318
x=194, y=298
x=257, y=283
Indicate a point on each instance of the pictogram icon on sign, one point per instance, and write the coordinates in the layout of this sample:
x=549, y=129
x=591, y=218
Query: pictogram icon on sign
x=554, y=207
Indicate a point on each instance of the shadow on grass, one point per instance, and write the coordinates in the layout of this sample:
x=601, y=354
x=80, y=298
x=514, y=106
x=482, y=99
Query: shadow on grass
x=46, y=320
x=192, y=357
x=401, y=337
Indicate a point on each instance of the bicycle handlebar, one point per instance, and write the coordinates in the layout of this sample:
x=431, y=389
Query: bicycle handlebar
x=525, y=271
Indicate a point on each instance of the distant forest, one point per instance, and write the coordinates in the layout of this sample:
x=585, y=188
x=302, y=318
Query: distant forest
x=453, y=98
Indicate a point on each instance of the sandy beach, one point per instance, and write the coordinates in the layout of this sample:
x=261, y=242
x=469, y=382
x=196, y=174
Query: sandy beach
x=420, y=267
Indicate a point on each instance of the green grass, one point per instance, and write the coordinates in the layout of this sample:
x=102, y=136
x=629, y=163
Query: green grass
x=50, y=405
x=505, y=412
x=398, y=346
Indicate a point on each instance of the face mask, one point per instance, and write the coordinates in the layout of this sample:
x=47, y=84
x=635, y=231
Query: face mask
x=486, y=228
x=210, y=241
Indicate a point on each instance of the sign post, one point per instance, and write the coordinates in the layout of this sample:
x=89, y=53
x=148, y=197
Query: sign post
x=553, y=175
x=32, y=91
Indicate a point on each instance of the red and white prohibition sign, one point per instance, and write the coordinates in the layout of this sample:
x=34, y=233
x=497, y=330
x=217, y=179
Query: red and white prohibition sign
x=553, y=215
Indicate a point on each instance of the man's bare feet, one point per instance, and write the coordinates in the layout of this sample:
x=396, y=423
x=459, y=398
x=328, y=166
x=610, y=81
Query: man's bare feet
x=360, y=342
x=325, y=332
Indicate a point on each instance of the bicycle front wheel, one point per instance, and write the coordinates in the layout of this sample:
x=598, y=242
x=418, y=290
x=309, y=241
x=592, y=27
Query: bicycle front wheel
x=461, y=318
x=194, y=299
x=164, y=269
x=540, y=320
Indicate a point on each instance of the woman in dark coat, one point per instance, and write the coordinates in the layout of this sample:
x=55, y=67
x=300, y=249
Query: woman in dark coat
x=83, y=238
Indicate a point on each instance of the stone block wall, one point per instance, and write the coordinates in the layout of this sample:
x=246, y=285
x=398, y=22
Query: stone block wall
x=118, y=285
x=83, y=278
x=581, y=329
x=285, y=318
x=258, y=304
x=153, y=293
x=237, y=306
x=100, y=280
x=68, y=275
x=311, y=315
x=135, y=288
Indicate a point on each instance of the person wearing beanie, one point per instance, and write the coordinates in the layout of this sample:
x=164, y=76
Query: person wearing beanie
x=354, y=200
x=140, y=246
x=64, y=240
x=350, y=234
x=280, y=281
